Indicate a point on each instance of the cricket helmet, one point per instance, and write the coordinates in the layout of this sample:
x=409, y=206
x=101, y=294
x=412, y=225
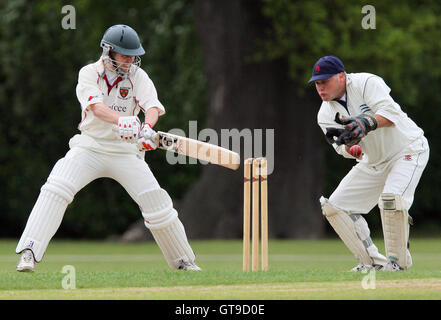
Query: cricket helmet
x=124, y=40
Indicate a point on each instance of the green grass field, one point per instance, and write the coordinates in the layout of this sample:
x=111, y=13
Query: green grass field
x=300, y=269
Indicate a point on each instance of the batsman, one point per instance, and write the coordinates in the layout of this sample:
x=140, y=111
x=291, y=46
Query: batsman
x=358, y=114
x=112, y=92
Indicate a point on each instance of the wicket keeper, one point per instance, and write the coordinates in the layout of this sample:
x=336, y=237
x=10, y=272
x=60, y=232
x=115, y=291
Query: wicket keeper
x=357, y=110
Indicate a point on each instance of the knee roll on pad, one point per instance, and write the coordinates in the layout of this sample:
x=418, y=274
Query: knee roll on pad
x=327, y=209
x=64, y=179
x=390, y=201
x=157, y=208
x=395, y=222
x=60, y=187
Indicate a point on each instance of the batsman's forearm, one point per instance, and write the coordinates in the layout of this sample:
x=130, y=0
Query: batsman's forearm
x=152, y=116
x=103, y=112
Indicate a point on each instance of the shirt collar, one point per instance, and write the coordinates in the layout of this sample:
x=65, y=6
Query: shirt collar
x=111, y=76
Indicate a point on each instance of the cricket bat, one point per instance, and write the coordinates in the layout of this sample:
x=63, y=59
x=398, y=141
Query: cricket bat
x=196, y=149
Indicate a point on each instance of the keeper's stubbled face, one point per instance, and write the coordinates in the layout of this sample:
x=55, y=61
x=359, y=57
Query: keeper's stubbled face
x=331, y=88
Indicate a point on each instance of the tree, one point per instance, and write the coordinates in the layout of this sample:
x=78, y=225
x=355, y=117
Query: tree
x=255, y=95
x=258, y=58
x=403, y=49
x=39, y=64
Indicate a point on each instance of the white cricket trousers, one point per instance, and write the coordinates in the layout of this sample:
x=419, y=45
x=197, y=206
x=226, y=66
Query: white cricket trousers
x=360, y=190
x=79, y=167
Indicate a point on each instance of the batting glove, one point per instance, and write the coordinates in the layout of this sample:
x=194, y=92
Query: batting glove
x=146, y=138
x=128, y=128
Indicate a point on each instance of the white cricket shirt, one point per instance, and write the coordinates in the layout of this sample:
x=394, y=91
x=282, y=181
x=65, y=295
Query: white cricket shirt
x=368, y=93
x=126, y=96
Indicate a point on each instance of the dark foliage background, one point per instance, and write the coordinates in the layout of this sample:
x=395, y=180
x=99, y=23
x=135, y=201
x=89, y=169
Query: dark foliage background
x=39, y=64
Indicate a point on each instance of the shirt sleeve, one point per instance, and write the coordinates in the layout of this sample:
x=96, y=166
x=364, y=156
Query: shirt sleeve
x=88, y=91
x=377, y=97
x=146, y=95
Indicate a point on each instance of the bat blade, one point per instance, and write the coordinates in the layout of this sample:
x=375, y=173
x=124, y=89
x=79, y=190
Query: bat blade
x=197, y=149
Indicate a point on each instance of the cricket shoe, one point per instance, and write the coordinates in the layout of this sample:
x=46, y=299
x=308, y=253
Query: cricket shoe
x=362, y=267
x=187, y=265
x=26, y=262
x=392, y=266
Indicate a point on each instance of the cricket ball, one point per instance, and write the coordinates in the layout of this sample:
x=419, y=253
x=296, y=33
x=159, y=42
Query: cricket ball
x=355, y=151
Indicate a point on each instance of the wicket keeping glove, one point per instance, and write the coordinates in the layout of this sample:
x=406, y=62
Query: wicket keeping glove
x=332, y=135
x=355, y=127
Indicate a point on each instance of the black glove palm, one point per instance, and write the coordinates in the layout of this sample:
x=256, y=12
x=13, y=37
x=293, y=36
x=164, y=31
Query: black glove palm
x=340, y=136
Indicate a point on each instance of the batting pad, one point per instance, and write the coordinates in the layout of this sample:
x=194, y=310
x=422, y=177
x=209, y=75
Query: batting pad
x=167, y=230
x=45, y=217
x=354, y=232
x=395, y=222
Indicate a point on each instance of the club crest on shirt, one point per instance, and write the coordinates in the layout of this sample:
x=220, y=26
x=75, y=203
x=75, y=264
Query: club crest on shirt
x=124, y=92
x=408, y=157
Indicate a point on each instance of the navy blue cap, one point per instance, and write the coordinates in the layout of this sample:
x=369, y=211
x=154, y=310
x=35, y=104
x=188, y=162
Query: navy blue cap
x=326, y=67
